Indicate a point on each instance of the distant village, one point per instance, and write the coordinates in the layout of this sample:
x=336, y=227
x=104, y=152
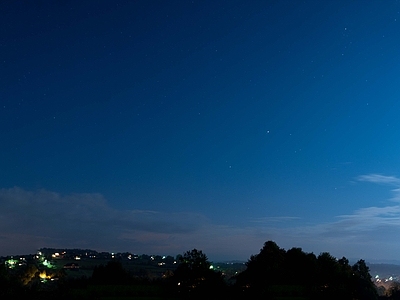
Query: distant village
x=85, y=260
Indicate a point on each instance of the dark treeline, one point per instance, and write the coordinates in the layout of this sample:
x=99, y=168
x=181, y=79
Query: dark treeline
x=274, y=273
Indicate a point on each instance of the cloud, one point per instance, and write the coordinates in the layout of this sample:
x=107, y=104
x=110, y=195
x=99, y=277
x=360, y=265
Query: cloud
x=33, y=219
x=47, y=219
x=367, y=232
x=388, y=180
x=377, y=178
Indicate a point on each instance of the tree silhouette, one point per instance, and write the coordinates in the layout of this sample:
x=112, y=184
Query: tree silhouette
x=194, y=277
x=263, y=270
x=276, y=273
x=300, y=267
x=333, y=278
x=363, y=284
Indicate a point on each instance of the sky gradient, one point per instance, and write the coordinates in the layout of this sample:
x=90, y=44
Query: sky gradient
x=162, y=126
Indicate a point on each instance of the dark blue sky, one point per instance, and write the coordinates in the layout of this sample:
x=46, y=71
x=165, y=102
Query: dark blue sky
x=161, y=126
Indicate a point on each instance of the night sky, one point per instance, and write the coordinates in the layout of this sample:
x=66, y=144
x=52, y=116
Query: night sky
x=161, y=126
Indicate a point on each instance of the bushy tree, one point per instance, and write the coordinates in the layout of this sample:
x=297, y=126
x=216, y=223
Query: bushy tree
x=194, y=277
x=275, y=272
x=29, y=275
x=364, y=287
x=263, y=270
x=333, y=278
x=300, y=267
